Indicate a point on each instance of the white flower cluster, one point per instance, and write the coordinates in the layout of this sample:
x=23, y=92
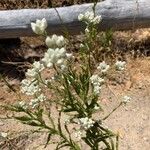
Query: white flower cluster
x=29, y=87
x=86, y=123
x=97, y=82
x=56, y=54
x=55, y=41
x=89, y=17
x=56, y=57
x=126, y=99
x=39, y=27
x=120, y=65
x=67, y=121
x=35, y=102
x=103, y=67
x=78, y=135
x=37, y=67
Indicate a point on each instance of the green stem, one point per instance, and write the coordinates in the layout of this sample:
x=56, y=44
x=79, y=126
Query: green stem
x=112, y=111
x=117, y=142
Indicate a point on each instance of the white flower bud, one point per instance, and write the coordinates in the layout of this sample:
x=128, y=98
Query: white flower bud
x=39, y=27
x=97, y=19
x=80, y=17
x=103, y=67
x=96, y=107
x=78, y=135
x=55, y=41
x=87, y=31
x=69, y=55
x=97, y=82
x=54, y=56
x=49, y=42
x=89, y=17
x=86, y=123
x=37, y=68
x=126, y=99
x=81, y=45
x=120, y=65
x=60, y=62
x=29, y=87
x=60, y=41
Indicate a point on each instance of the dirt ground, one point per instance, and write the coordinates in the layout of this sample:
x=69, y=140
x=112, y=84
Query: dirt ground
x=131, y=121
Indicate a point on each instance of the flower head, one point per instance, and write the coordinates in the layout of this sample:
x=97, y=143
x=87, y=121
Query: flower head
x=29, y=87
x=103, y=67
x=39, y=27
x=55, y=41
x=86, y=123
x=96, y=80
x=120, y=65
x=89, y=17
x=67, y=121
x=80, y=17
x=126, y=99
x=96, y=107
x=55, y=56
x=35, y=102
x=41, y=97
x=37, y=67
x=78, y=135
x=97, y=89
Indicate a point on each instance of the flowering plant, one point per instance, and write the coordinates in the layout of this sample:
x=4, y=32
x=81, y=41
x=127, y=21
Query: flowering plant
x=75, y=92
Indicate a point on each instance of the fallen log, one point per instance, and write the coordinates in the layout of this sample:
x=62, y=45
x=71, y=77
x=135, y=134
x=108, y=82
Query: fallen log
x=116, y=14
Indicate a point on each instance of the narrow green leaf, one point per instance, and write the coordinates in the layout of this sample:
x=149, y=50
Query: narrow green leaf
x=32, y=123
x=23, y=118
x=48, y=139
